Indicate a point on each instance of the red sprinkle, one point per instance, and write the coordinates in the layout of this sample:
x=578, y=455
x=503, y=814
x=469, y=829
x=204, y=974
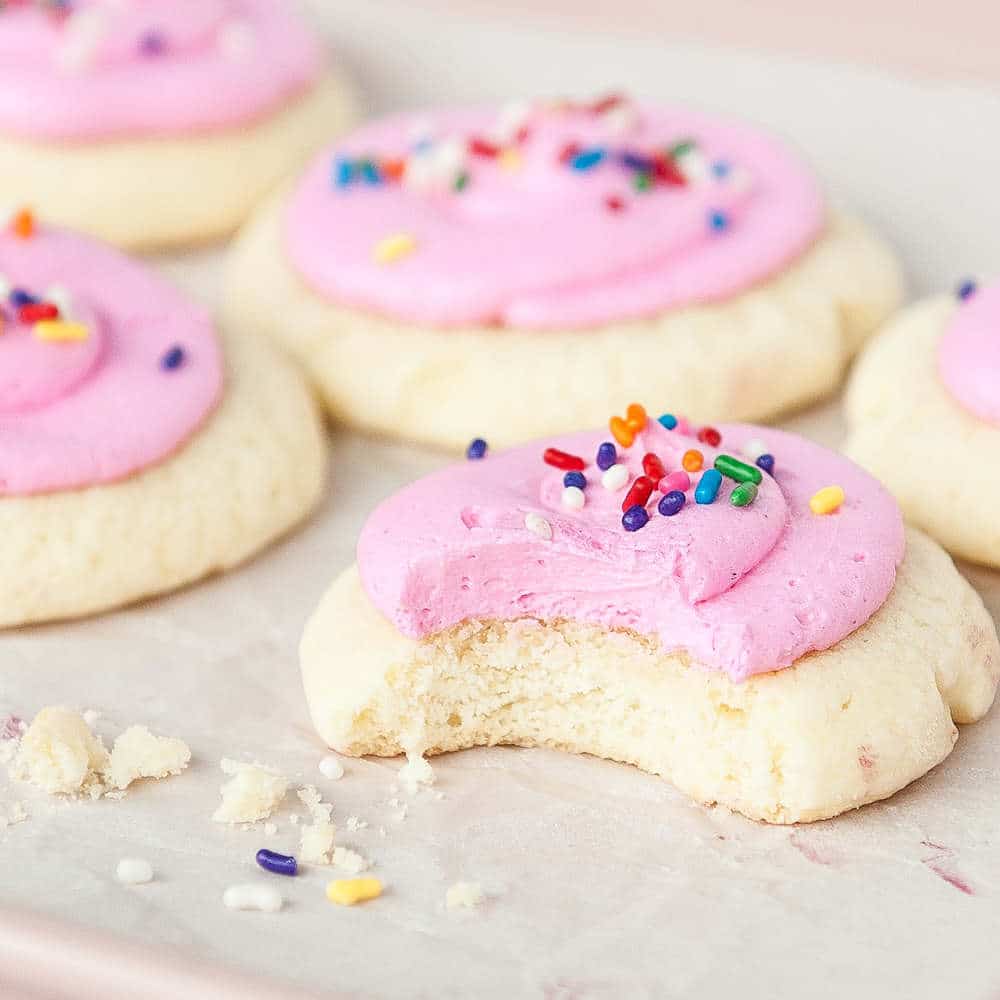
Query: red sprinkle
x=614, y=203
x=35, y=311
x=606, y=103
x=653, y=467
x=710, y=436
x=481, y=147
x=666, y=171
x=563, y=460
x=639, y=494
x=569, y=151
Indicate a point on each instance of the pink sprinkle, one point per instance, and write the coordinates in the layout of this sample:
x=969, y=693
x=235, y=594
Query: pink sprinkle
x=679, y=480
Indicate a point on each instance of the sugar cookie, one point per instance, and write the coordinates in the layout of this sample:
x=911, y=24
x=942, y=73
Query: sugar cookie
x=786, y=663
x=428, y=271
x=926, y=394
x=154, y=125
x=136, y=455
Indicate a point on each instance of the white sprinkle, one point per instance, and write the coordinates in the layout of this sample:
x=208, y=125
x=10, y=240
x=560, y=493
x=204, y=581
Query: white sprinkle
x=463, y=894
x=537, y=524
x=331, y=768
x=692, y=165
x=4, y=286
x=134, y=871
x=253, y=897
x=573, y=497
x=62, y=298
x=615, y=478
x=621, y=118
x=512, y=117
x=754, y=449
x=237, y=40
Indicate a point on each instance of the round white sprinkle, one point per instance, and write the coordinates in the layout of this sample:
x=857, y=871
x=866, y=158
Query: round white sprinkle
x=134, y=871
x=693, y=166
x=622, y=118
x=253, y=897
x=331, y=768
x=573, y=497
x=4, y=286
x=754, y=449
x=615, y=478
x=536, y=523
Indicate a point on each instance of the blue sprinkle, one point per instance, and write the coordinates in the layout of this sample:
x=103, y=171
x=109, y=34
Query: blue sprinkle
x=607, y=455
x=718, y=221
x=766, y=462
x=279, y=864
x=721, y=169
x=343, y=171
x=668, y=420
x=636, y=162
x=422, y=145
x=575, y=479
x=173, y=359
x=477, y=449
x=587, y=159
x=671, y=503
x=19, y=297
x=967, y=289
x=708, y=486
x=635, y=518
x=369, y=173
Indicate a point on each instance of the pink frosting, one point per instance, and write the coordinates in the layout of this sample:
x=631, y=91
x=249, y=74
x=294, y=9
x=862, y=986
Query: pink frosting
x=149, y=67
x=529, y=241
x=969, y=354
x=743, y=590
x=78, y=413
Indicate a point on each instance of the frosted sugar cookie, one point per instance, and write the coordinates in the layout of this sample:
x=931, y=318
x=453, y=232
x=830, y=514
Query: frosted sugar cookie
x=926, y=391
x=757, y=627
x=520, y=272
x=158, y=124
x=137, y=452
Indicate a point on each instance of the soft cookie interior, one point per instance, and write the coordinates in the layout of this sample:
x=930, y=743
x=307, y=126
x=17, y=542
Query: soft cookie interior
x=840, y=728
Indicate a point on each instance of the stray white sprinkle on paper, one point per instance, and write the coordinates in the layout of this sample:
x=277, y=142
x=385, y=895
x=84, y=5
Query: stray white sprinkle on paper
x=538, y=525
x=466, y=895
x=330, y=767
x=134, y=871
x=265, y=898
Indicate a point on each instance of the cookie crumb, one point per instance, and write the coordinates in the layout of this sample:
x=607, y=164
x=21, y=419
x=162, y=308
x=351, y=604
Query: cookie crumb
x=350, y=861
x=317, y=839
x=252, y=792
x=415, y=772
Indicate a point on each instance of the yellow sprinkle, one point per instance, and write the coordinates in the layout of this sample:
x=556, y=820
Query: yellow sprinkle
x=827, y=500
x=348, y=891
x=393, y=247
x=510, y=159
x=58, y=329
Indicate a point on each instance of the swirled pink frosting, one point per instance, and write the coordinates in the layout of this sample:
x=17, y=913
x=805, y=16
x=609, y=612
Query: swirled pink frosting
x=148, y=67
x=742, y=590
x=79, y=413
x=531, y=241
x=969, y=354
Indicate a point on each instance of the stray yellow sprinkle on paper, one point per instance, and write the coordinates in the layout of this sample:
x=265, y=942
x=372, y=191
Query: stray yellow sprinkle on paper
x=348, y=891
x=393, y=247
x=58, y=329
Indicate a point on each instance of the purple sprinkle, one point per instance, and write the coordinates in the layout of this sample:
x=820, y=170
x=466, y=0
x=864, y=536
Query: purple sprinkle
x=575, y=479
x=173, y=359
x=671, y=503
x=967, y=289
x=607, y=455
x=19, y=297
x=152, y=43
x=279, y=864
x=766, y=462
x=635, y=518
x=635, y=161
x=477, y=449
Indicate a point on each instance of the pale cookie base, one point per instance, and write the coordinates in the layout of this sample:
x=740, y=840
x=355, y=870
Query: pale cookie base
x=255, y=469
x=148, y=194
x=840, y=728
x=781, y=345
x=941, y=461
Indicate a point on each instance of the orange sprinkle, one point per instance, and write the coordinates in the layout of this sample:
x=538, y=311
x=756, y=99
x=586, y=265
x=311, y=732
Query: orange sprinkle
x=393, y=169
x=692, y=460
x=635, y=416
x=622, y=432
x=23, y=224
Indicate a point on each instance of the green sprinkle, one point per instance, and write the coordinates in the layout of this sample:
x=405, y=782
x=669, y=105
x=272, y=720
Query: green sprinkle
x=738, y=470
x=461, y=181
x=743, y=495
x=682, y=148
x=642, y=182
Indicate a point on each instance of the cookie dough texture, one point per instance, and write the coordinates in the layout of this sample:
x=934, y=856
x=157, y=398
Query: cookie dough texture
x=159, y=192
x=793, y=334
x=838, y=729
x=246, y=477
x=902, y=419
